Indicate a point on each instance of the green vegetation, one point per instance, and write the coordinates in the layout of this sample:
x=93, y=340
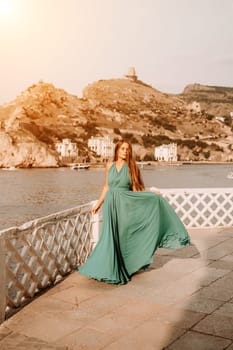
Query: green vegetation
x=116, y=131
x=161, y=122
x=153, y=141
x=149, y=157
x=216, y=147
x=129, y=136
x=90, y=129
x=192, y=143
x=142, y=83
x=206, y=154
x=197, y=146
x=228, y=121
x=209, y=116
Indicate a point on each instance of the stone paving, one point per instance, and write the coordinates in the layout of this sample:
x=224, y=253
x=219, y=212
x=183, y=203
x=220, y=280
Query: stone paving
x=183, y=302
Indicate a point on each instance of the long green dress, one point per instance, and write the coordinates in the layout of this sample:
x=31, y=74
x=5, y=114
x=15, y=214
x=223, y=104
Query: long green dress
x=134, y=225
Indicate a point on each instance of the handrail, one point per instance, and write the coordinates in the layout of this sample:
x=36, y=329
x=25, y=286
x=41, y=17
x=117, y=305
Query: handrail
x=40, y=252
x=202, y=207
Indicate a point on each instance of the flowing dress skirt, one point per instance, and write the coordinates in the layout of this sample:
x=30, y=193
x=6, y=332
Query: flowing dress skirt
x=134, y=225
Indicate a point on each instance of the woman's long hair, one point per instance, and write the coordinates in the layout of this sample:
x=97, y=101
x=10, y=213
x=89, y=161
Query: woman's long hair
x=137, y=182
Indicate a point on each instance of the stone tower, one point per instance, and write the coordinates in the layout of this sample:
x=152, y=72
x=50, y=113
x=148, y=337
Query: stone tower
x=131, y=75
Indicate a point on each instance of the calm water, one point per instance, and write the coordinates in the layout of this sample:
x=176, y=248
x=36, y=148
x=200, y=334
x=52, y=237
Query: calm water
x=31, y=193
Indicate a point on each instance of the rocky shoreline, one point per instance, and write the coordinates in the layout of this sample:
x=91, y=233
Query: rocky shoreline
x=142, y=165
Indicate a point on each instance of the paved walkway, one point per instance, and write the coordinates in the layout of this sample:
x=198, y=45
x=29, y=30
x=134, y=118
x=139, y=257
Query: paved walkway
x=185, y=301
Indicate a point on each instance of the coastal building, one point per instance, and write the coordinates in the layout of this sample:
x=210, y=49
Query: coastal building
x=220, y=119
x=102, y=146
x=166, y=153
x=66, y=148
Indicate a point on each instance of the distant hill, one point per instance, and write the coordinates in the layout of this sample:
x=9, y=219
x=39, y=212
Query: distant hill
x=215, y=100
x=43, y=114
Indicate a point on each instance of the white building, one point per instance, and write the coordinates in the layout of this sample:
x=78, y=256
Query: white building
x=102, y=146
x=220, y=119
x=66, y=148
x=167, y=153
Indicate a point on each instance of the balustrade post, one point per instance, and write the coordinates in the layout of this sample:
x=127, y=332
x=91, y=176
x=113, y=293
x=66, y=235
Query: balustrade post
x=2, y=280
x=95, y=228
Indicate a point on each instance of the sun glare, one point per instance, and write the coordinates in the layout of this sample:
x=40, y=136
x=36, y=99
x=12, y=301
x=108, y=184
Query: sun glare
x=7, y=9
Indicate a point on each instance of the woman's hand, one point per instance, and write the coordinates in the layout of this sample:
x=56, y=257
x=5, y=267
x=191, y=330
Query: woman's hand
x=155, y=190
x=95, y=209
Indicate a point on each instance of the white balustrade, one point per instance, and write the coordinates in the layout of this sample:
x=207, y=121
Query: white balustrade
x=202, y=207
x=39, y=253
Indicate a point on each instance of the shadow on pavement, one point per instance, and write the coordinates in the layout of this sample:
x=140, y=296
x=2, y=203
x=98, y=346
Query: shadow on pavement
x=204, y=311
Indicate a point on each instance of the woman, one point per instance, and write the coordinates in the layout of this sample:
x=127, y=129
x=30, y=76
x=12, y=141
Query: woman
x=135, y=223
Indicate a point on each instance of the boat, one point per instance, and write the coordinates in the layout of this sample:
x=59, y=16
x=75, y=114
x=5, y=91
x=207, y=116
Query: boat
x=80, y=166
x=11, y=168
x=144, y=165
x=230, y=175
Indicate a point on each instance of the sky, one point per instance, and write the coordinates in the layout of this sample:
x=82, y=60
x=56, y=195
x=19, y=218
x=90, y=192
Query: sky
x=73, y=43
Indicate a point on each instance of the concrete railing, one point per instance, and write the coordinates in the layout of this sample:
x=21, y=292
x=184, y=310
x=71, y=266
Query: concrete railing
x=202, y=207
x=39, y=253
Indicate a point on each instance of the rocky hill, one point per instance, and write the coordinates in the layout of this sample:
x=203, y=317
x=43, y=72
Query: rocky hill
x=43, y=115
x=215, y=100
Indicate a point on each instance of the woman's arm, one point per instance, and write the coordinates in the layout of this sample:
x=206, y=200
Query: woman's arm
x=151, y=189
x=155, y=190
x=104, y=191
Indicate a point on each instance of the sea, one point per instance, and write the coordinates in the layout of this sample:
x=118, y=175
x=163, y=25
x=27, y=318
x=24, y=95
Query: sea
x=27, y=194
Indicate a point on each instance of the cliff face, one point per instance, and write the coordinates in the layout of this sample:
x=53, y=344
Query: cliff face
x=33, y=122
x=42, y=115
x=215, y=100
x=24, y=154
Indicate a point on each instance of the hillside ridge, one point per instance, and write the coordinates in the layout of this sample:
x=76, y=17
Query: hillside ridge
x=43, y=114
